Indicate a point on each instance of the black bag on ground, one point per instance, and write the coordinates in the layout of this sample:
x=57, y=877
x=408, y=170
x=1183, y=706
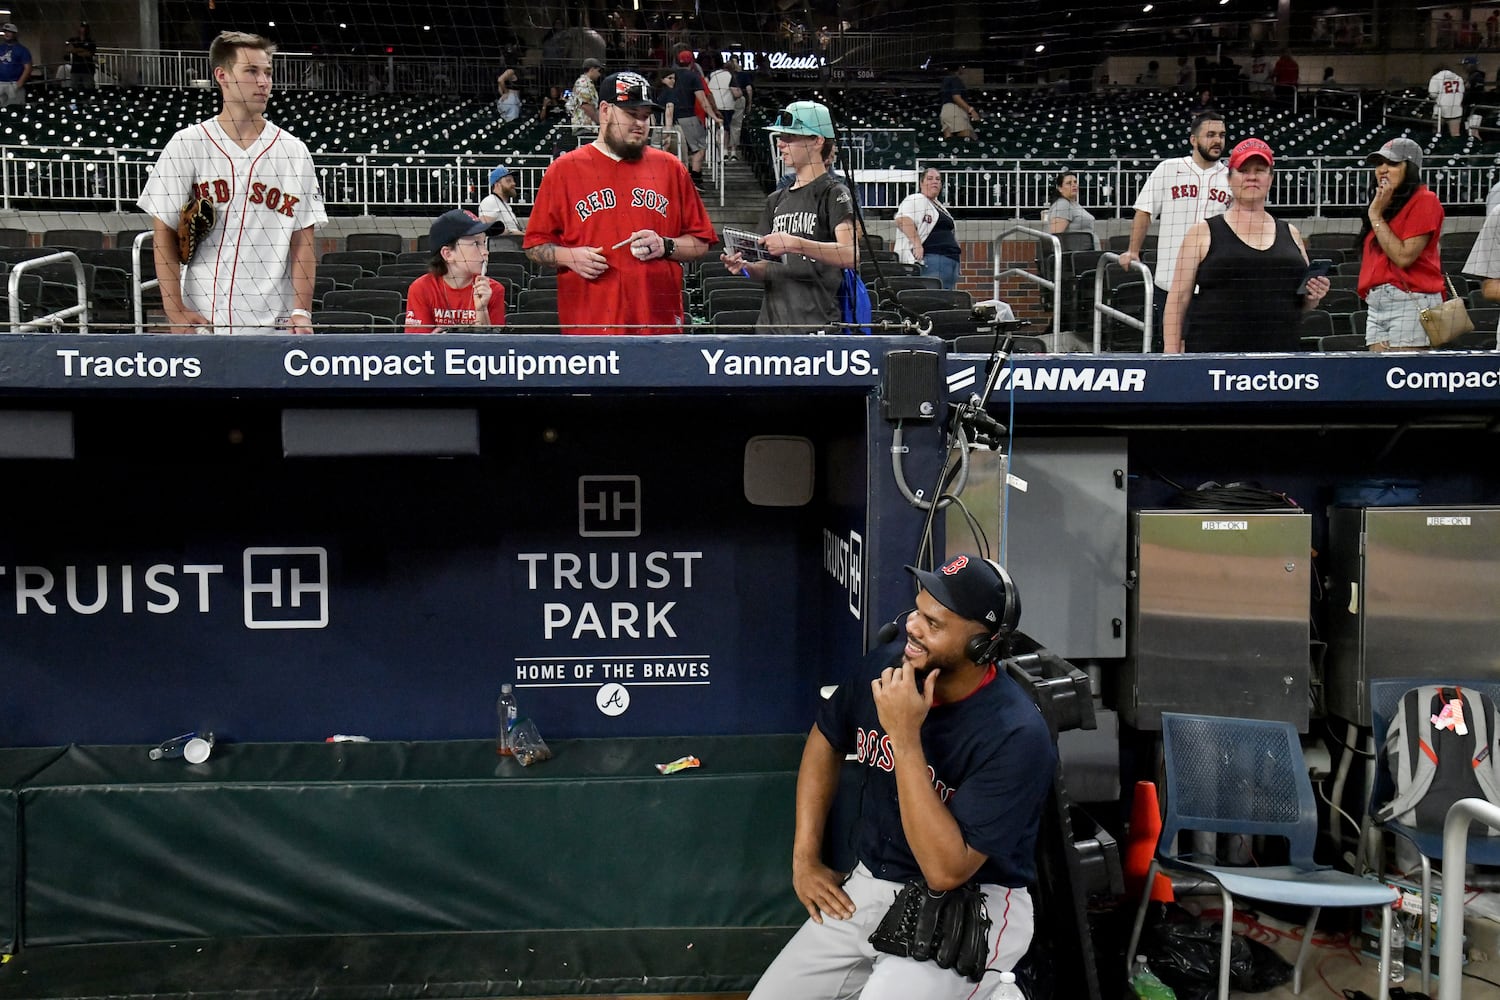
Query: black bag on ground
x=1185, y=956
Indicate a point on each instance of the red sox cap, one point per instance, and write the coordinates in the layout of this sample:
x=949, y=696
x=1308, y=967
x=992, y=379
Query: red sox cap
x=970, y=587
x=454, y=225
x=1250, y=149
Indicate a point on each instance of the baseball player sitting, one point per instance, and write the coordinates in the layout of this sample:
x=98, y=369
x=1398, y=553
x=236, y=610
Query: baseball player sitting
x=956, y=763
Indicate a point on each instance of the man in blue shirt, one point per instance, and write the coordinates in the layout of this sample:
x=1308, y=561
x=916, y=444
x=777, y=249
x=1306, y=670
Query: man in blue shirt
x=15, y=66
x=957, y=116
x=955, y=765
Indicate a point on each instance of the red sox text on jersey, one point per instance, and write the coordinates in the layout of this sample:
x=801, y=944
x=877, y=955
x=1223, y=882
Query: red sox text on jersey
x=875, y=751
x=1191, y=191
x=604, y=198
x=273, y=198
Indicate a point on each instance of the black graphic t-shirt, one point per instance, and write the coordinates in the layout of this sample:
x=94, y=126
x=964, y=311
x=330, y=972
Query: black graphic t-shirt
x=802, y=294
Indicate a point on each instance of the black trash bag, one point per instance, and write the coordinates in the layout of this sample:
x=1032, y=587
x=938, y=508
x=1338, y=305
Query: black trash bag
x=1185, y=956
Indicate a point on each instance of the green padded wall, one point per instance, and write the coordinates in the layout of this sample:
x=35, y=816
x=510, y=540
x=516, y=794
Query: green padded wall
x=289, y=838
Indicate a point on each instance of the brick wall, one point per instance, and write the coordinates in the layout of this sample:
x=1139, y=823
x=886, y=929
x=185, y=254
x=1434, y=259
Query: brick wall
x=976, y=276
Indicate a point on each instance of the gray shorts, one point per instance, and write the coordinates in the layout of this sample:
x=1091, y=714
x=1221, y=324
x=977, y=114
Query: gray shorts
x=1394, y=317
x=694, y=135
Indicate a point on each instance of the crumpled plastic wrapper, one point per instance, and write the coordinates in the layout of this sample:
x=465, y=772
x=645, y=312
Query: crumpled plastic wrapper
x=528, y=745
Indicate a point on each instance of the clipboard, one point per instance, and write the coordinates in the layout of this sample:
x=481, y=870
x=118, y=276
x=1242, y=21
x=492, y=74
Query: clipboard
x=747, y=245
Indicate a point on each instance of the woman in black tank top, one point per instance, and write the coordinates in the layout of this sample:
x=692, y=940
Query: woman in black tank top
x=1246, y=267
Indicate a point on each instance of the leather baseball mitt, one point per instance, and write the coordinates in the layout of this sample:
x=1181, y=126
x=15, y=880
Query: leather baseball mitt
x=949, y=928
x=193, y=226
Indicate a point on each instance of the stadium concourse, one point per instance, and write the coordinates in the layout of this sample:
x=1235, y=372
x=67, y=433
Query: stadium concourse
x=388, y=163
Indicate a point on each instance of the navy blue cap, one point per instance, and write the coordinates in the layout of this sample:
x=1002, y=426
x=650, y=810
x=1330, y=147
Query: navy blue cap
x=969, y=587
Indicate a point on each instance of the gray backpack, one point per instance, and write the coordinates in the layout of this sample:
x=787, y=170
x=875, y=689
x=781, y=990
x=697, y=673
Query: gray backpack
x=1440, y=748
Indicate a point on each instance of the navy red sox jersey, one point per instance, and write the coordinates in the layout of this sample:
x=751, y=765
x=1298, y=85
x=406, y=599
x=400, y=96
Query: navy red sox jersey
x=1179, y=195
x=990, y=758
x=241, y=276
x=588, y=198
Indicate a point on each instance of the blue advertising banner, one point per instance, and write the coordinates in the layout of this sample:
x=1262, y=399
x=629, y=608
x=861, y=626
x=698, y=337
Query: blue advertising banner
x=601, y=555
x=398, y=364
x=1429, y=377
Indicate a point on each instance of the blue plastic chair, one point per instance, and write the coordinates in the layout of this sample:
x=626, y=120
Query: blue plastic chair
x=1247, y=776
x=1385, y=699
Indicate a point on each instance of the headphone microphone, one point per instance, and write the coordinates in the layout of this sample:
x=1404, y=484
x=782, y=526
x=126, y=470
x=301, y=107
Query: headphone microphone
x=892, y=628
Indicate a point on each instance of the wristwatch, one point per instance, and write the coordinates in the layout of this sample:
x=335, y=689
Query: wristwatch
x=668, y=247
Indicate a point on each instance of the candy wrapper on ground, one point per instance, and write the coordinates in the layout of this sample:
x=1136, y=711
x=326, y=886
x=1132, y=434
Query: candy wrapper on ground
x=680, y=764
x=528, y=743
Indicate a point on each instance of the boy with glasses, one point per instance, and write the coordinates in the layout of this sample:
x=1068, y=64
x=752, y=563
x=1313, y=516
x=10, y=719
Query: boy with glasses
x=455, y=292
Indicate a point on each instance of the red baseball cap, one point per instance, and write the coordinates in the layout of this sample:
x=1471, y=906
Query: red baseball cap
x=1247, y=149
x=684, y=58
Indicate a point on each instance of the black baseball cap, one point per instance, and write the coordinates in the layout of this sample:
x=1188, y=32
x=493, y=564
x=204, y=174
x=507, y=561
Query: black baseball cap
x=969, y=587
x=626, y=90
x=455, y=225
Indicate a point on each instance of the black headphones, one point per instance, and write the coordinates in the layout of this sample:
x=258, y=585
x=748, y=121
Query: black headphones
x=986, y=648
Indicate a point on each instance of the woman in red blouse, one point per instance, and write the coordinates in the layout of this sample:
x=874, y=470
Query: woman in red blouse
x=1400, y=272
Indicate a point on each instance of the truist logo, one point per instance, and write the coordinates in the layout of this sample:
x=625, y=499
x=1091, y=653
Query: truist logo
x=281, y=587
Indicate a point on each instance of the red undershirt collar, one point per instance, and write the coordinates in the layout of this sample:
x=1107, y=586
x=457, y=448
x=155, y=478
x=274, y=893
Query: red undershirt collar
x=989, y=675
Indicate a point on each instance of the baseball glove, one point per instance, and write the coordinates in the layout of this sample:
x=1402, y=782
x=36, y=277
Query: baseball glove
x=950, y=928
x=193, y=226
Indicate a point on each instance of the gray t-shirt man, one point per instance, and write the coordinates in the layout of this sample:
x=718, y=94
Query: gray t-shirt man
x=802, y=295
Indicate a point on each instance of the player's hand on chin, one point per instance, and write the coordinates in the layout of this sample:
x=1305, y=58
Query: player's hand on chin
x=589, y=262
x=821, y=890
x=902, y=700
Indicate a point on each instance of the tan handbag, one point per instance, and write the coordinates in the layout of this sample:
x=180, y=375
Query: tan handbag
x=1447, y=322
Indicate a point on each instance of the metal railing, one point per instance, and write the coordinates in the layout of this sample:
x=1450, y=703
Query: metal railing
x=138, y=287
x=435, y=73
x=1103, y=309
x=1109, y=187
x=1053, y=284
x=416, y=184
x=421, y=184
x=52, y=320
x=1451, y=916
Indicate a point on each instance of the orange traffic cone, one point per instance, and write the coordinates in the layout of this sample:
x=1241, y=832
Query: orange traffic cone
x=1140, y=846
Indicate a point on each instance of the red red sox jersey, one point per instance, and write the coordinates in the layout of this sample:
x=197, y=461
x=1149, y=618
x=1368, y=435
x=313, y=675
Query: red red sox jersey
x=241, y=276
x=588, y=198
x=1179, y=195
x=432, y=303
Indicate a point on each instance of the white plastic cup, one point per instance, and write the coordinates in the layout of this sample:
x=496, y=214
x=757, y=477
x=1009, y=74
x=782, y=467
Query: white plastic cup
x=198, y=748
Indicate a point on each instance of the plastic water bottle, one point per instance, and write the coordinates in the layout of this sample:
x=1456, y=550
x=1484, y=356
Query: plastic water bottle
x=505, y=708
x=1145, y=985
x=171, y=748
x=1396, y=967
x=1007, y=990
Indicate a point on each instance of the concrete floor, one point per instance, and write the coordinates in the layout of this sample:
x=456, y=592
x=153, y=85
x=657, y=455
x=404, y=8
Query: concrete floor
x=1335, y=966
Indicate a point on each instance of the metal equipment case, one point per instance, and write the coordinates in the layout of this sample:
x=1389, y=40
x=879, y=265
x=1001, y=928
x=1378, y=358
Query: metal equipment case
x=1218, y=616
x=1413, y=592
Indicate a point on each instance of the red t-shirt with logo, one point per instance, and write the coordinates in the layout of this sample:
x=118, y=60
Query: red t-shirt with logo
x=432, y=303
x=1422, y=214
x=589, y=199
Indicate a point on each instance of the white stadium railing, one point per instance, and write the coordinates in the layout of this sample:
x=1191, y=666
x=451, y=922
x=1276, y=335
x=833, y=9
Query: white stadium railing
x=418, y=184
